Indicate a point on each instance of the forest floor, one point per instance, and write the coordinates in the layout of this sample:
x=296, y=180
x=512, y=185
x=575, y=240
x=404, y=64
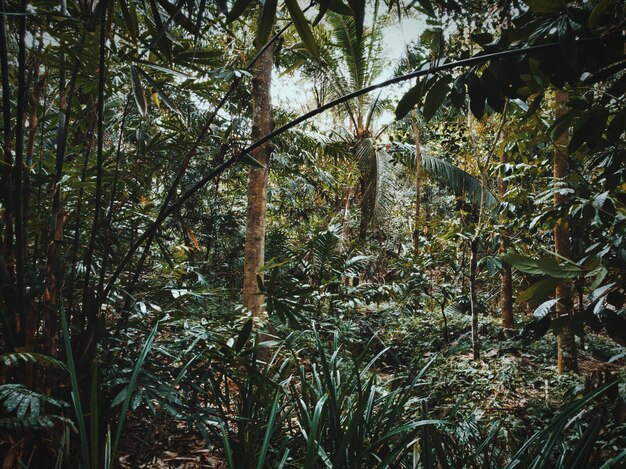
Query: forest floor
x=513, y=383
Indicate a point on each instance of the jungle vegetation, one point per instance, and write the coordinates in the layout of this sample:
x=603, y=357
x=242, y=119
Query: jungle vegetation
x=270, y=234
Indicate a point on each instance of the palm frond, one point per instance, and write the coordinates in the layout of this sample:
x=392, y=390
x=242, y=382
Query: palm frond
x=457, y=180
x=378, y=174
x=352, y=51
x=356, y=64
x=14, y=359
x=25, y=403
x=324, y=250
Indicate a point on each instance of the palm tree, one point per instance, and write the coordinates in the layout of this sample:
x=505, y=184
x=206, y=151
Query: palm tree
x=355, y=63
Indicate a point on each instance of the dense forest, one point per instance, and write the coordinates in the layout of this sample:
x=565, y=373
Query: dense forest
x=342, y=234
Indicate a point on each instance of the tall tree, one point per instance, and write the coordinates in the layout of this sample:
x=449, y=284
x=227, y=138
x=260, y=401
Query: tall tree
x=262, y=124
x=418, y=182
x=566, y=342
x=357, y=63
x=506, y=277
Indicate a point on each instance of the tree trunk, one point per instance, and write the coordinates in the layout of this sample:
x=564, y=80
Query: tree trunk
x=262, y=123
x=345, y=220
x=506, y=279
x=418, y=184
x=566, y=343
x=474, y=299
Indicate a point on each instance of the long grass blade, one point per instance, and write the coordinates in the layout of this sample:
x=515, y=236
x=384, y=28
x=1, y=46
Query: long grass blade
x=269, y=431
x=131, y=387
x=78, y=407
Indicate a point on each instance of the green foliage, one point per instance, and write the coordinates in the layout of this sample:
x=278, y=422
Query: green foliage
x=27, y=405
x=15, y=359
x=459, y=181
x=352, y=421
x=122, y=232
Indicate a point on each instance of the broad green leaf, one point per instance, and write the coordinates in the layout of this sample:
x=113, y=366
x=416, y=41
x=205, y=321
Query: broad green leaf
x=434, y=39
x=332, y=5
x=175, y=12
x=201, y=9
x=435, y=97
x=408, y=101
x=138, y=92
x=482, y=38
x=598, y=11
x=238, y=9
x=244, y=335
x=522, y=263
x=427, y=7
x=250, y=161
x=267, y=21
x=164, y=69
x=544, y=308
x=552, y=268
x=160, y=34
x=130, y=18
x=599, y=200
x=168, y=102
x=339, y=7
x=537, y=292
x=119, y=398
x=302, y=26
x=223, y=6
x=491, y=85
x=477, y=96
x=616, y=127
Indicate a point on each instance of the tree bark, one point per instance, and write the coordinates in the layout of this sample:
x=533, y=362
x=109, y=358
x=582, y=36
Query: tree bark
x=506, y=279
x=262, y=124
x=418, y=184
x=345, y=220
x=566, y=343
x=474, y=299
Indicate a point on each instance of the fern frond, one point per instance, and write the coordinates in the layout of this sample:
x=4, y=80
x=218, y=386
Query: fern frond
x=356, y=264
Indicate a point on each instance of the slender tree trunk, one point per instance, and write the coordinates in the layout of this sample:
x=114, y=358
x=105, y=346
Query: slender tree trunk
x=345, y=220
x=566, y=342
x=474, y=298
x=7, y=258
x=91, y=304
x=18, y=208
x=262, y=124
x=506, y=278
x=418, y=184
